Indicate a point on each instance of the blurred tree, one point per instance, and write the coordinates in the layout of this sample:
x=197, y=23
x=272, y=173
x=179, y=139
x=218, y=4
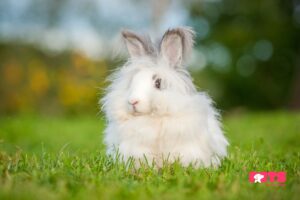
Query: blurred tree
x=263, y=40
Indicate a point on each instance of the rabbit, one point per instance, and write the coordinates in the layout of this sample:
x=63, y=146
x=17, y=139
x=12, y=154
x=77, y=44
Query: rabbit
x=154, y=111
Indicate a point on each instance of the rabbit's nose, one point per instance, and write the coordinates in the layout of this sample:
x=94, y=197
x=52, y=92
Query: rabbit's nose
x=133, y=102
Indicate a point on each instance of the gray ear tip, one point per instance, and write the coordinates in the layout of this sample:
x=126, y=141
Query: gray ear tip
x=182, y=31
x=185, y=28
x=127, y=33
x=189, y=28
x=124, y=32
x=187, y=31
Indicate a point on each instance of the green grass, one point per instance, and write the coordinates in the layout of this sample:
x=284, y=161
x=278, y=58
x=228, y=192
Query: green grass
x=63, y=158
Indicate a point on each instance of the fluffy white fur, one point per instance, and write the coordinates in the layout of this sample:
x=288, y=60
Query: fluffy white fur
x=173, y=122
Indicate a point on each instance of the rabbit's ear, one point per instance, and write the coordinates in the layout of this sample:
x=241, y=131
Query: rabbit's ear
x=176, y=45
x=137, y=45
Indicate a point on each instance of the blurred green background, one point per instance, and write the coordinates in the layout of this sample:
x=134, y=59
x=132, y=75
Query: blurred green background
x=55, y=55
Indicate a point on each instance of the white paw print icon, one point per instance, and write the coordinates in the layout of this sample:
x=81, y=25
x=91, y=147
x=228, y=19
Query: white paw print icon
x=258, y=178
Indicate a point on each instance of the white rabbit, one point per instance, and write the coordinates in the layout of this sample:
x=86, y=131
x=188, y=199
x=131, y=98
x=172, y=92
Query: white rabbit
x=153, y=109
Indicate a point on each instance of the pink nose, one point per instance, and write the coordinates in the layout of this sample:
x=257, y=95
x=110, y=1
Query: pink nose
x=133, y=102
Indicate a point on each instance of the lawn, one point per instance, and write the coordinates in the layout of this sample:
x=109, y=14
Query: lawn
x=43, y=157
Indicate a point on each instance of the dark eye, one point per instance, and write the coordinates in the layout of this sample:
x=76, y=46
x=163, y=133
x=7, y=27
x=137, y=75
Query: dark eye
x=157, y=83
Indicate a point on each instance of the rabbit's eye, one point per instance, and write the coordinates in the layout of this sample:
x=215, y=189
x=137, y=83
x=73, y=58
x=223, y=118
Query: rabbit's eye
x=158, y=83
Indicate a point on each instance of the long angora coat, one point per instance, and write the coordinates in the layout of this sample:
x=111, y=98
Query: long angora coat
x=153, y=109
